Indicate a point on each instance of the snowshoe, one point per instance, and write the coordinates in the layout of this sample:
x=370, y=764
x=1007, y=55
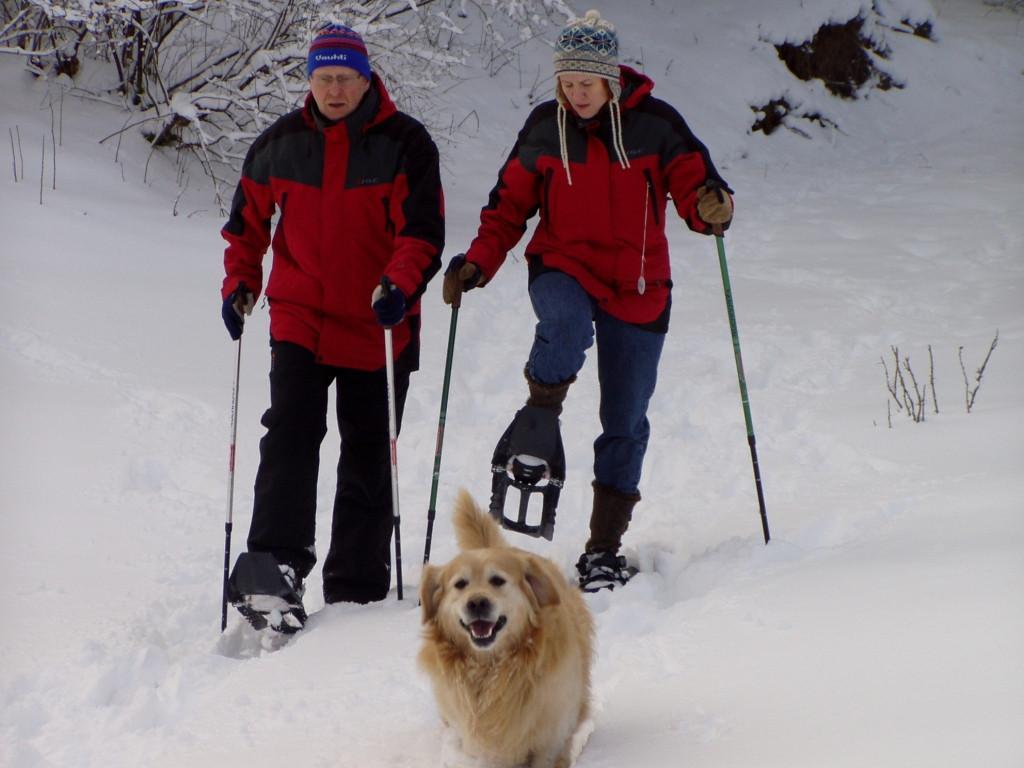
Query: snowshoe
x=529, y=457
x=267, y=593
x=603, y=570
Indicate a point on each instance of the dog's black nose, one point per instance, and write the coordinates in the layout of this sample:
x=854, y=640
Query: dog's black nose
x=478, y=607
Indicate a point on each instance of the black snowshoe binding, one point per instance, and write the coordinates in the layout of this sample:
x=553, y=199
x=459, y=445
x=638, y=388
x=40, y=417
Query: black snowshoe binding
x=267, y=593
x=603, y=570
x=529, y=457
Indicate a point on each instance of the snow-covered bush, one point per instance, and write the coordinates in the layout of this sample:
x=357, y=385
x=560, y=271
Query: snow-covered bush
x=207, y=77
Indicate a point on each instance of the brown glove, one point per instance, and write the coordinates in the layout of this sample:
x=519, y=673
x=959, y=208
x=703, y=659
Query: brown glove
x=714, y=206
x=461, y=276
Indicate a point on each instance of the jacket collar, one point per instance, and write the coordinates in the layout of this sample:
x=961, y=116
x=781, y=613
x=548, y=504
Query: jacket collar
x=635, y=88
x=375, y=107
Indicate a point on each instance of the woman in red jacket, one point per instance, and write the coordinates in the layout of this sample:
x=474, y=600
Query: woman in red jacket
x=357, y=187
x=599, y=164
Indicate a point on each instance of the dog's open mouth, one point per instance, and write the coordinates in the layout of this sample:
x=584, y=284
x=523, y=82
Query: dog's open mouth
x=483, y=633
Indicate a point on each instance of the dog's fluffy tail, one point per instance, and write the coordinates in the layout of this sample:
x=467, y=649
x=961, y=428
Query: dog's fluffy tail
x=474, y=528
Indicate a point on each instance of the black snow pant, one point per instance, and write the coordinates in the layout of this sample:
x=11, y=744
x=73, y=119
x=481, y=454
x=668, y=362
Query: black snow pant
x=358, y=563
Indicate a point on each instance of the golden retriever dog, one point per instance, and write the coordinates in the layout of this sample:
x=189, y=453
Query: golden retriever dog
x=507, y=644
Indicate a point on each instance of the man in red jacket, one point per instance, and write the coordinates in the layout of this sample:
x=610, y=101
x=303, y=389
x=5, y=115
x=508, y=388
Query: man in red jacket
x=599, y=163
x=357, y=187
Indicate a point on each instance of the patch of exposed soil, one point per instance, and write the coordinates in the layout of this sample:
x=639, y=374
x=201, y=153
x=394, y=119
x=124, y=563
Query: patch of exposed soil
x=838, y=55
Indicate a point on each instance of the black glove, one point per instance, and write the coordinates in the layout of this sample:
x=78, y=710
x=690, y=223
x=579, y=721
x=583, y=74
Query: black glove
x=461, y=276
x=388, y=303
x=238, y=304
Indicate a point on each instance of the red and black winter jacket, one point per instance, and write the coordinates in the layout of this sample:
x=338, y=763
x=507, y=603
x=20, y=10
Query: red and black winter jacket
x=596, y=229
x=358, y=199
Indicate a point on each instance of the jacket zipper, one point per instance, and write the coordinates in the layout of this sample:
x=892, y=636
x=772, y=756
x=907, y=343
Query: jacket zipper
x=650, y=185
x=548, y=176
x=389, y=225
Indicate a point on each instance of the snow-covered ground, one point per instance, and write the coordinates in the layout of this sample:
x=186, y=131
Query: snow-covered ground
x=883, y=625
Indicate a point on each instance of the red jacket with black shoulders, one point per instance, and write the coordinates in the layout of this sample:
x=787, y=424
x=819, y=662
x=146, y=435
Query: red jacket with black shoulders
x=607, y=228
x=357, y=199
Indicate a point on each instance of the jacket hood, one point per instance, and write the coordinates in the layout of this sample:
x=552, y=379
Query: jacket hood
x=635, y=86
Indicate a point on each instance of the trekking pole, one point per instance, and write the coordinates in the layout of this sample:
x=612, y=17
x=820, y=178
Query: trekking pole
x=389, y=365
x=231, y=488
x=432, y=510
x=720, y=242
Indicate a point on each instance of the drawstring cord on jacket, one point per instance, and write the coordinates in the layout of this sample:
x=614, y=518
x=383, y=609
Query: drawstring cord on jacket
x=620, y=148
x=641, y=284
x=563, y=145
x=615, y=111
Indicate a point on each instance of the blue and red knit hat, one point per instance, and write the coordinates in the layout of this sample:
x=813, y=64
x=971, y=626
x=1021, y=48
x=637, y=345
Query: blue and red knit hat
x=336, y=45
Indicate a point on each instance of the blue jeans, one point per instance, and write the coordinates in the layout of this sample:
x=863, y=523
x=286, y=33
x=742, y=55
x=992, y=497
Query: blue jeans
x=568, y=320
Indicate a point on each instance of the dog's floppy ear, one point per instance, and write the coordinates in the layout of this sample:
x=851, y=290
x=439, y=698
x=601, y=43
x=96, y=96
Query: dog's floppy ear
x=540, y=584
x=430, y=592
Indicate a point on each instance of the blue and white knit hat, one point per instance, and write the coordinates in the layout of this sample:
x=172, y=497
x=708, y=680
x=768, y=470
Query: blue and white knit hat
x=336, y=45
x=589, y=46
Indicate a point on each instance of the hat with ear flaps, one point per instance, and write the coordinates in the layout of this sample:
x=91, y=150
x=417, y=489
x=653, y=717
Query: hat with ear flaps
x=589, y=45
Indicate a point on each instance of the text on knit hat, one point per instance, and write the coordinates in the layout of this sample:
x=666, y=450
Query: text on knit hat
x=336, y=45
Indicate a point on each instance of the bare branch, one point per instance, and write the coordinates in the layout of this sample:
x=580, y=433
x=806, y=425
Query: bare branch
x=915, y=400
x=14, y=157
x=890, y=384
x=931, y=379
x=972, y=393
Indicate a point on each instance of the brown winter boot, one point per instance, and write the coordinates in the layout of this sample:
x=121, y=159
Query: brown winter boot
x=600, y=566
x=610, y=518
x=547, y=396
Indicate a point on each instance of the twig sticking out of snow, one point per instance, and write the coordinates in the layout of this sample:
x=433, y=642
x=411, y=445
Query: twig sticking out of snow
x=969, y=393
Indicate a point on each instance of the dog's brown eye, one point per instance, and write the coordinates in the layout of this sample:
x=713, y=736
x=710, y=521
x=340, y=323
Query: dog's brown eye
x=461, y=584
x=497, y=581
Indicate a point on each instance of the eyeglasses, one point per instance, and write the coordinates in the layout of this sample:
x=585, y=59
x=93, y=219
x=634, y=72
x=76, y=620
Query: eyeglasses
x=328, y=80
